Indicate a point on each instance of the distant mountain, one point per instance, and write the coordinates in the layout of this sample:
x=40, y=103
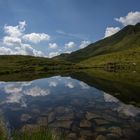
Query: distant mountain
x=125, y=39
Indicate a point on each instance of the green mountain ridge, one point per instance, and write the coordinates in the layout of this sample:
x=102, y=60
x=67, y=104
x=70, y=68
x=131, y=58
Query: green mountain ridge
x=125, y=39
x=122, y=48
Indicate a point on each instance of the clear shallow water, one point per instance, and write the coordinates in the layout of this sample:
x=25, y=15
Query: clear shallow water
x=68, y=104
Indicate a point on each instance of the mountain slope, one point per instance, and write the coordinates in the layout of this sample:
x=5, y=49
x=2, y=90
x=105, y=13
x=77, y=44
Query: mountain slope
x=18, y=63
x=127, y=38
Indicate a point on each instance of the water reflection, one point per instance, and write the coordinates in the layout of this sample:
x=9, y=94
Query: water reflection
x=69, y=104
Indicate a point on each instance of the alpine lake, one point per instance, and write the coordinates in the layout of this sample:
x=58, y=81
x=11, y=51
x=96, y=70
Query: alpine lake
x=85, y=105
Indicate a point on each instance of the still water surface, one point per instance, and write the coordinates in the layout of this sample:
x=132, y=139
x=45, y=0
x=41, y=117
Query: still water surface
x=69, y=104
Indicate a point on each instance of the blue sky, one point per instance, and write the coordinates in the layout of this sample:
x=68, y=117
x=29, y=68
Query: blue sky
x=61, y=25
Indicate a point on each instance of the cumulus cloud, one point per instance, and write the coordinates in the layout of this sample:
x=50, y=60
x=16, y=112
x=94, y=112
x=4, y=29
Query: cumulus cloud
x=5, y=51
x=16, y=92
x=111, y=30
x=37, y=91
x=84, y=44
x=68, y=52
x=70, y=45
x=11, y=41
x=14, y=98
x=36, y=37
x=14, y=42
x=15, y=31
x=69, y=85
x=110, y=98
x=53, y=45
x=130, y=19
x=52, y=54
x=53, y=84
x=84, y=85
x=12, y=89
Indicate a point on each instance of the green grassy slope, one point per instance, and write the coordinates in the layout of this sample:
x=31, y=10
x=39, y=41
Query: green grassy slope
x=127, y=38
x=17, y=63
x=125, y=59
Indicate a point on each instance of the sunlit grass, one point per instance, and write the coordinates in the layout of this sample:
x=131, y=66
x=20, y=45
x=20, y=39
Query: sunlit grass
x=3, y=131
x=39, y=134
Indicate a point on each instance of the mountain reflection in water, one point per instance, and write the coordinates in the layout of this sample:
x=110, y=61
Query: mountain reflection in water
x=69, y=104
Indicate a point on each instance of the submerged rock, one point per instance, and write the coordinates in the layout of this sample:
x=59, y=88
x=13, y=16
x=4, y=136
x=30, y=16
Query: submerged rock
x=60, y=109
x=112, y=136
x=101, y=129
x=87, y=133
x=51, y=117
x=61, y=124
x=128, y=133
x=25, y=117
x=101, y=122
x=42, y=121
x=67, y=116
x=85, y=123
x=100, y=137
x=72, y=136
x=90, y=116
x=30, y=128
x=115, y=130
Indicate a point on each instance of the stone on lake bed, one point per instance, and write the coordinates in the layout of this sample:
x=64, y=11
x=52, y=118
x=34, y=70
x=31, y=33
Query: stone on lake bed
x=100, y=137
x=42, y=121
x=101, y=122
x=101, y=129
x=65, y=117
x=115, y=130
x=51, y=117
x=30, y=128
x=127, y=132
x=25, y=117
x=72, y=136
x=61, y=124
x=85, y=123
x=62, y=110
x=90, y=115
x=112, y=136
x=87, y=133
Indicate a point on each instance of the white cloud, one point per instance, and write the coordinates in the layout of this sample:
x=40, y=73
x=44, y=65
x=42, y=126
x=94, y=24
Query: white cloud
x=5, y=51
x=15, y=31
x=69, y=85
x=12, y=89
x=52, y=54
x=68, y=52
x=53, y=84
x=110, y=98
x=11, y=41
x=53, y=45
x=37, y=91
x=130, y=19
x=84, y=44
x=14, y=92
x=14, y=98
x=70, y=45
x=84, y=85
x=30, y=51
x=14, y=42
x=36, y=37
x=111, y=30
